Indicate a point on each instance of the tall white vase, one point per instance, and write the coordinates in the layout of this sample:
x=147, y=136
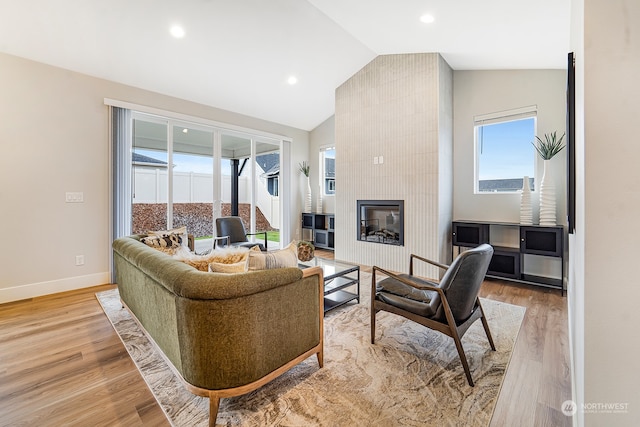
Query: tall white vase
x=547, y=197
x=526, y=211
x=307, y=199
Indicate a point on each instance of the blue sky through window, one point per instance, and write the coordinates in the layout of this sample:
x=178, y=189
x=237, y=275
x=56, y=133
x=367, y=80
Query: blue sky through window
x=505, y=151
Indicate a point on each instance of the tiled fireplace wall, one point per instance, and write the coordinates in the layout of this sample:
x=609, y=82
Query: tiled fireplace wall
x=394, y=142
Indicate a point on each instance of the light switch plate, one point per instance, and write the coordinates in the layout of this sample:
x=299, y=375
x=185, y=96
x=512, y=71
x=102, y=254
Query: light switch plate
x=74, y=197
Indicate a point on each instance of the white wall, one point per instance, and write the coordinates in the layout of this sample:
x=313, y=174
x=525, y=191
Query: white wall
x=54, y=121
x=611, y=188
x=483, y=92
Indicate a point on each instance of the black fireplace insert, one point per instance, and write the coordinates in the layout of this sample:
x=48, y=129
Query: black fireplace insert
x=381, y=221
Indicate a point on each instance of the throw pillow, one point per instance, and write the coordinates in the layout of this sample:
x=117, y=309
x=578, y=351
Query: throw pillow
x=287, y=257
x=167, y=244
x=236, y=267
x=222, y=256
x=181, y=231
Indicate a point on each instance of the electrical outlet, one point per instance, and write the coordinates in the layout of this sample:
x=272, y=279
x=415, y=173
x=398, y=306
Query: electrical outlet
x=79, y=259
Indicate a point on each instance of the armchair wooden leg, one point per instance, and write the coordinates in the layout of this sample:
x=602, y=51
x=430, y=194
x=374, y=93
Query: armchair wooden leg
x=463, y=359
x=485, y=324
x=214, y=405
x=373, y=325
x=320, y=357
x=373, y=306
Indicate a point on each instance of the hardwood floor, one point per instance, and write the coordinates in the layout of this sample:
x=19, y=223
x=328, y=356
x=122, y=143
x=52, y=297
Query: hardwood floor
x=61, y=363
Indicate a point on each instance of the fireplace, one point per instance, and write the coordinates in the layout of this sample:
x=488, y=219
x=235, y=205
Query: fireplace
x=381, y=221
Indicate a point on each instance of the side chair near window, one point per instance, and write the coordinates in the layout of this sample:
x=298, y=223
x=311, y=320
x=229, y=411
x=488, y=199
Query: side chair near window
x=450, y=306
x=230, y=231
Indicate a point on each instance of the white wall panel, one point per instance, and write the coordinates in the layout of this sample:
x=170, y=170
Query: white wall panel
x=394, y=108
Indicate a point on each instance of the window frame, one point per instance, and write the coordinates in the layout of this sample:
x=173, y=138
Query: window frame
x=321, y=170
x=496, y=118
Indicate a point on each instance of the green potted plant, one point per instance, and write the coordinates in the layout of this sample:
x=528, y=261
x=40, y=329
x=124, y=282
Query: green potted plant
x=551, y=145
x=547, y=149
x=304, y=168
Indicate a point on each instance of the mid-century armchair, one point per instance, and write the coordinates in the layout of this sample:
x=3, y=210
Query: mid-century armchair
x=231, y=232
x=450, y=306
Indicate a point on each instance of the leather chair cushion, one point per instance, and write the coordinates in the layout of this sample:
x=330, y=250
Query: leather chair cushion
x=396, y=293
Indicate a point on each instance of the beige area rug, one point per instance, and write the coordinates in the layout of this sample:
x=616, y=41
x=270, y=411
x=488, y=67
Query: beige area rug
x=411, y=376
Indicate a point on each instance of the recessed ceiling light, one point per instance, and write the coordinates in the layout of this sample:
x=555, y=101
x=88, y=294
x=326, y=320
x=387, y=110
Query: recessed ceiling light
x=292, y=80
x=427, y=19
x=177, y=31
x=185, y=130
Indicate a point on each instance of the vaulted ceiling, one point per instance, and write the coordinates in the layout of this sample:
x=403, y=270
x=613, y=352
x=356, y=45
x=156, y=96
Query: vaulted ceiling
x=238, y=55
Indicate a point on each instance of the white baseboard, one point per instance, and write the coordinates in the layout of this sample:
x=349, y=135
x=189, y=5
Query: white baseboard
x=32, y=290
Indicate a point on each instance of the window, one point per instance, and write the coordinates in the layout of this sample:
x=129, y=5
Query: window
x=328, y=170
x=504, y=150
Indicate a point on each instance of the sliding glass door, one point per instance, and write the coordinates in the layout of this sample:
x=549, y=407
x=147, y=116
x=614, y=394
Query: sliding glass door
x=186, y=174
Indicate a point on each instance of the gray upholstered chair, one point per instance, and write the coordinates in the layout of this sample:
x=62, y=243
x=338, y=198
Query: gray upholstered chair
x=230, y=231
x=450, y=306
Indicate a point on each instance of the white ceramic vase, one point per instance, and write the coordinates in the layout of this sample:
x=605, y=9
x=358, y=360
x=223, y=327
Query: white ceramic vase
x=547, y=197
x=526, y=211
x=307, y=199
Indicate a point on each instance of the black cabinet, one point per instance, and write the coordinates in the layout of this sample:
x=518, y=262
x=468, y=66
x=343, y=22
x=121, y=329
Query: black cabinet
x=546, y=241
x=510, y=262
x=505, y=263
x=322, y=228
x=470, y=235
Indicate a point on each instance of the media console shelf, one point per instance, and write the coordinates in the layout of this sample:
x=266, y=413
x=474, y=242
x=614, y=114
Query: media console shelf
x=509, y=262
x=322, y=228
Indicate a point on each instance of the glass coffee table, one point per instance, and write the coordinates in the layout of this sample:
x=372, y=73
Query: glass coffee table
x=341, y=281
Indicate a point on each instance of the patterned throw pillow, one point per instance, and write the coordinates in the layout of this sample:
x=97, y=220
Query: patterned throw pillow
x=168, y=243
x=287, y=257
x=181, y=231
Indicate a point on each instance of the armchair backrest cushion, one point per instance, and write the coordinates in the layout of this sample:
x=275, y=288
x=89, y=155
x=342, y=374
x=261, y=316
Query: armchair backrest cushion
x=461, y=282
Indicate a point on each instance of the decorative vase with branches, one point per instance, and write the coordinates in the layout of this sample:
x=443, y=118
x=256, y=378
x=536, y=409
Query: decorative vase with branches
x=547, y=149
x=304, y=168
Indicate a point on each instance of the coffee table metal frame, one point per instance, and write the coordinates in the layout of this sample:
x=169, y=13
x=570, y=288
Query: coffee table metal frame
x=338, y=277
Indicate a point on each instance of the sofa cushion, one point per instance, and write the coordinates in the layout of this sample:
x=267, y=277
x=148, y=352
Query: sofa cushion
x=236, y=267
x=229, y=255
x=287, y=257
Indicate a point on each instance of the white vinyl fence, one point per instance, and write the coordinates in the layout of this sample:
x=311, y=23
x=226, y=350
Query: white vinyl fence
x=150, y=186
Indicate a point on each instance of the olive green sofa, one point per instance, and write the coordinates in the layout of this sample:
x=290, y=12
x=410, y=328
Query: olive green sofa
x=225, y=334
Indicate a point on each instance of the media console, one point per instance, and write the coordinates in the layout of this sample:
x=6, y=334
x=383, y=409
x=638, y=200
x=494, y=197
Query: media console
x=509, y=261
x=322, y=227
